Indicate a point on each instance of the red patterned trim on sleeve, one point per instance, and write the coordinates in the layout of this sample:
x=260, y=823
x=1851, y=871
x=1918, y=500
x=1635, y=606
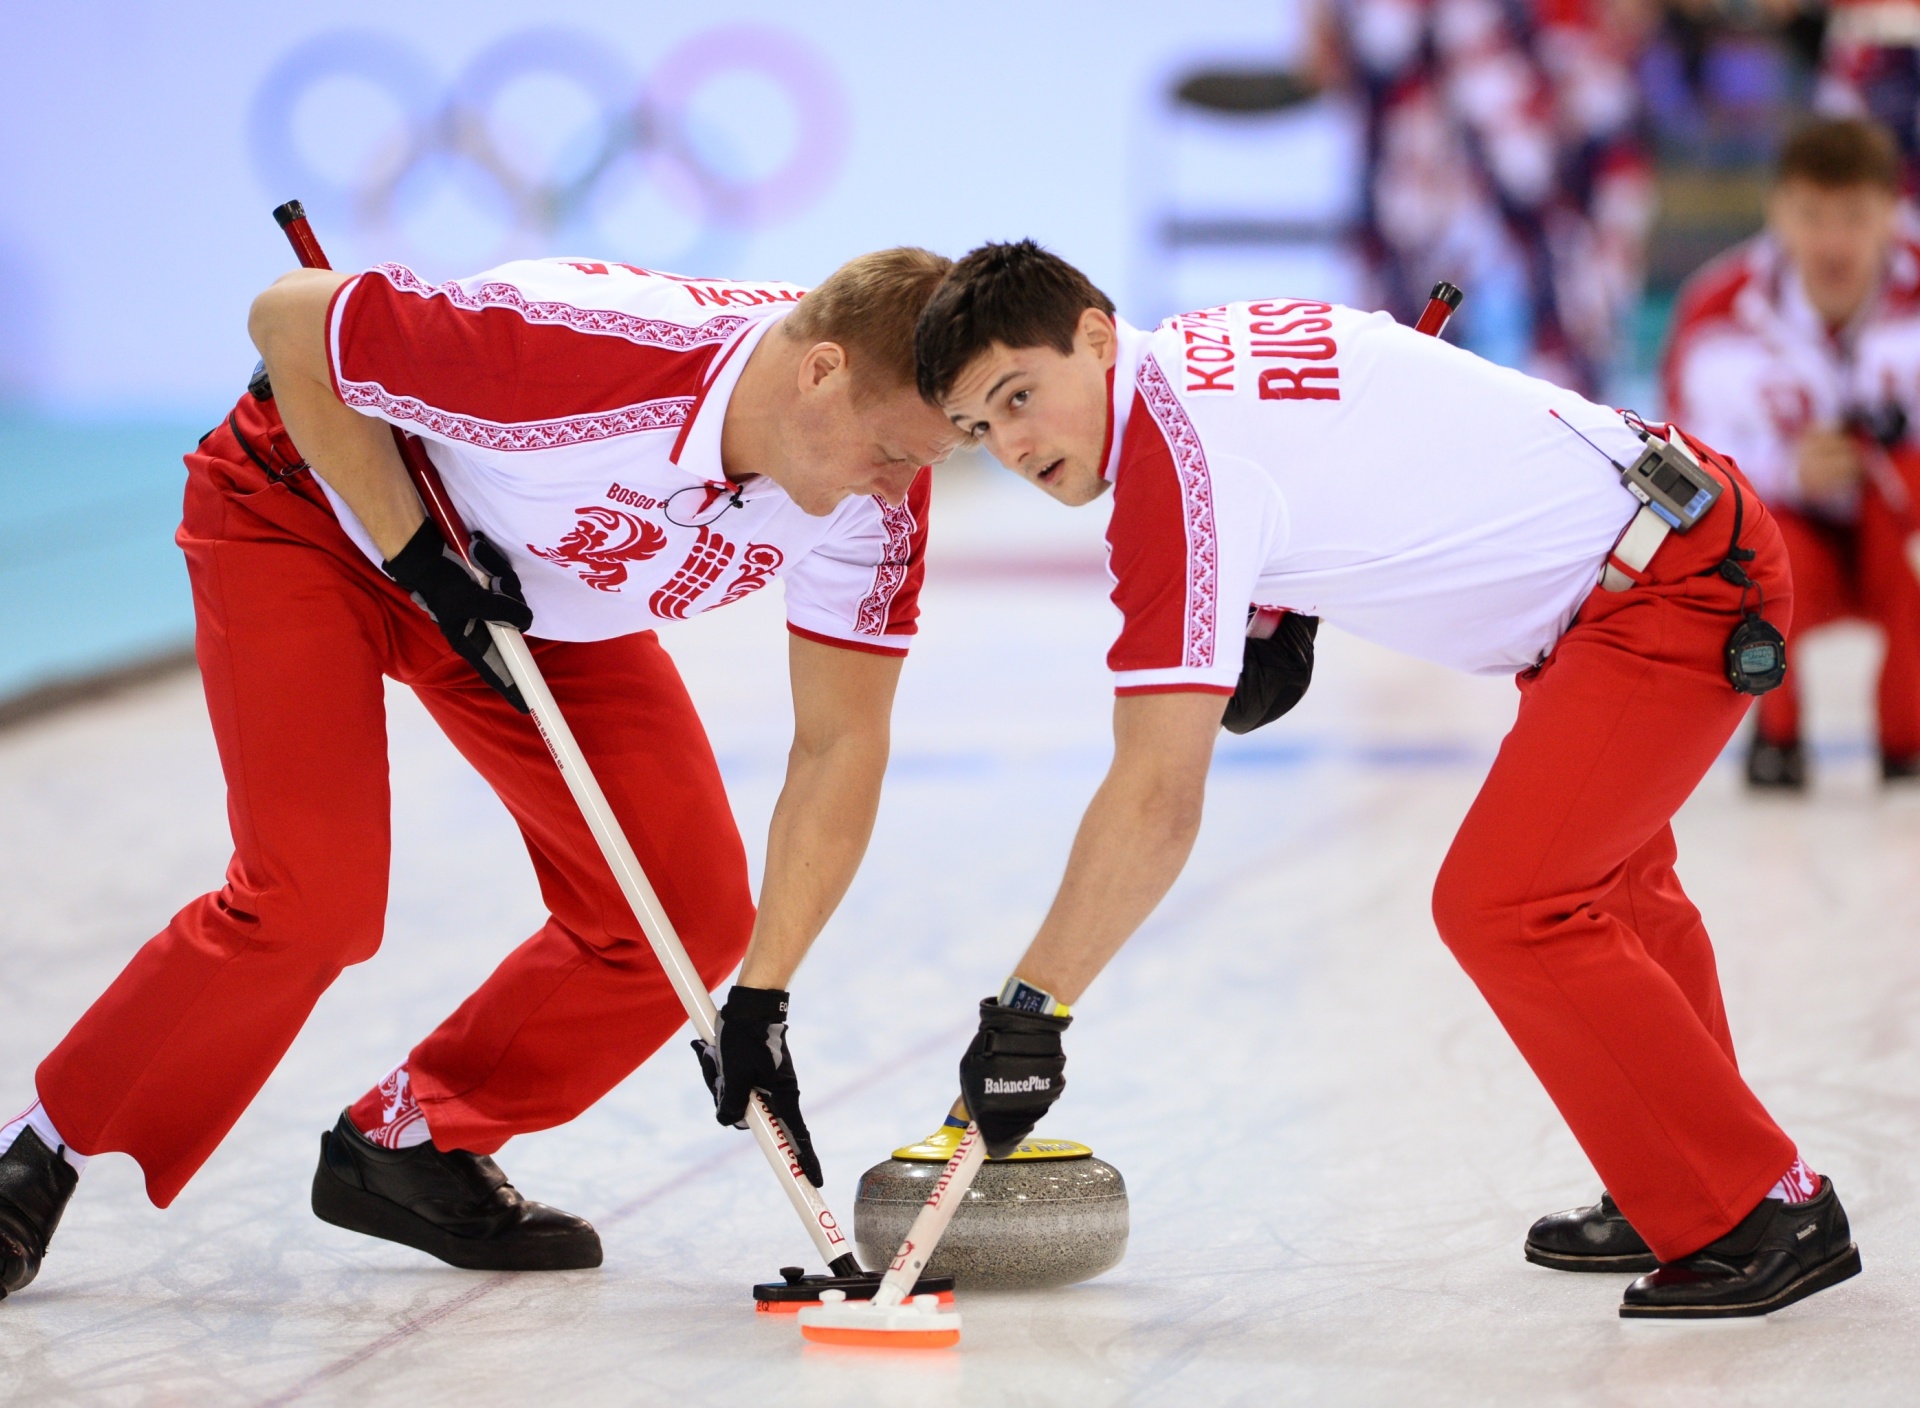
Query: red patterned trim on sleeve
x=890, y=607
x=1196, y=506
x=497, y=369
x=1128, y=691
x=647, y=332
x=1147, y=551
x=664, y=414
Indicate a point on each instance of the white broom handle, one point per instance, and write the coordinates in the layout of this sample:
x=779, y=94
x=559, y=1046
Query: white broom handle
x=949, y=1191
x=686, y=979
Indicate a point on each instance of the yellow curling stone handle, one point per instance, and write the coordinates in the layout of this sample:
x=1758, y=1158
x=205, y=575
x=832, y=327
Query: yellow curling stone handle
x=938, y=1147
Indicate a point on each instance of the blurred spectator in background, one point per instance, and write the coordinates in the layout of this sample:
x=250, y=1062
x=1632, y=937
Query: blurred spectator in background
x=1798, y=354
x=1722, y=82
x=1505, y=151
x=1871, y=68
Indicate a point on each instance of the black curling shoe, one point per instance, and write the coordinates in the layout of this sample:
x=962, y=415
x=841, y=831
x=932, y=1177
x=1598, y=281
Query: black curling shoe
x=1780, y=1253
x=456, y=1206
x=35, y=1184
x=1776, y=767
x=1589, y=1239
x=1899, y=767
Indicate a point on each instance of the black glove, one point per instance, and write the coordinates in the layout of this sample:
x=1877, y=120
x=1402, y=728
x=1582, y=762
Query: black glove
x=430, y=570
x=1012, y=1073
x=751, y=1054
x=1274, y=674
x=1885, y=424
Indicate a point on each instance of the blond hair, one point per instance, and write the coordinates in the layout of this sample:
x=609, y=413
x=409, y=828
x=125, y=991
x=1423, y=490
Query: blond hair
x=870, y=306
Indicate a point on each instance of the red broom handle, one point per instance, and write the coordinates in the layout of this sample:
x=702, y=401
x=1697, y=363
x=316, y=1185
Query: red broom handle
x=1440, y=307
x=292, y=218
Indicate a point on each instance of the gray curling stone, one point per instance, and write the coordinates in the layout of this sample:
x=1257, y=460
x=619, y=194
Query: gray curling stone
x=1049, y=1215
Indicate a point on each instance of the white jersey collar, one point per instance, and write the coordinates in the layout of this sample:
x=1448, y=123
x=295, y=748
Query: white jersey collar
x=697, y=451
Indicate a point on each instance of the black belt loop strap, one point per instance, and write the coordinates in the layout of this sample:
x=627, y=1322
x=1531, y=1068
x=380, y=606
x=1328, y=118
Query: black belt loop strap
x=1736, y=553
x=1756, y=653
x=274, y=476
x=1729, y=566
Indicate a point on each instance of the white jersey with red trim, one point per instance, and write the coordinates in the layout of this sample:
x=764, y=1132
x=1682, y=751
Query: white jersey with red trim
x=1298, y=454
x=574, y=410
x=1752, y=366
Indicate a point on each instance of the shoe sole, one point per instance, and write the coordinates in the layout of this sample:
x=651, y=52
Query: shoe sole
x=1828, y=1273
x=12, y=1250
x=1562, y=1261
x=357, y=1210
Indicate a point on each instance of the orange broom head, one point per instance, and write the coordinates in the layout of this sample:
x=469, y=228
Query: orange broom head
x=917, y=1323
x=881, y=1339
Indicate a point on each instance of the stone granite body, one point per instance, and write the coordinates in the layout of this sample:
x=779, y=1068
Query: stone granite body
x=1044, y=1223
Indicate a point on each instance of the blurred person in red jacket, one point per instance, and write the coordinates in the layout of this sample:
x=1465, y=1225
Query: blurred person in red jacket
x=1798, y=352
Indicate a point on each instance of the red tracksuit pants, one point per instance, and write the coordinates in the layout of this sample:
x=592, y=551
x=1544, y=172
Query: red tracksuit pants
x=1857, y=569
x=295, y=629
x=1560, y=900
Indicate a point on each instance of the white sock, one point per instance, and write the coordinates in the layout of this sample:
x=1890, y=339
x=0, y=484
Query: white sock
x=389, y=1115
x=1798, y=1184
x=36, y=1120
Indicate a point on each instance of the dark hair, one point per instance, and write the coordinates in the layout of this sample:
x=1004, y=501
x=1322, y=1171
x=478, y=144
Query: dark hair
x=1018, y=295
x=868, y=305
x=1841, y=151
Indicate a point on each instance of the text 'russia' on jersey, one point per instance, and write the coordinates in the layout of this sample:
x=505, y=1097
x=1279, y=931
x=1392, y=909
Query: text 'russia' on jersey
x=1299, y=454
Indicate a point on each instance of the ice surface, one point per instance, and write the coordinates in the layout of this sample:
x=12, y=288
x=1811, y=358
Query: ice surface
x=1332, y=1151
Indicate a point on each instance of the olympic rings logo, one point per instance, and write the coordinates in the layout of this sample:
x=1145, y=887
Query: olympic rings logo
x=547, y=139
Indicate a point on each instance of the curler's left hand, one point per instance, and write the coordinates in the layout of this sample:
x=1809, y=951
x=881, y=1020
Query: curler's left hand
x=430, y=572
x=750, y=1054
